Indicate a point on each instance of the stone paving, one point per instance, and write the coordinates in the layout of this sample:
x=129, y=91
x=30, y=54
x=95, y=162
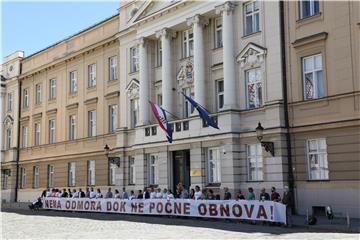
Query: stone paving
x=24, y=224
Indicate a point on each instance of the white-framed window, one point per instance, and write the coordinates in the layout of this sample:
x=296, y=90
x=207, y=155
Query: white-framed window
x=218, y=33
x=4, y=181
x=134, y=112
x=318, y=168
x=51, y=131
x=23, y=177
x=254, y=88
x=112, y=172
x=112, y=118
x=252, y=17
x=37, y=137
x=36, y=177
x=308, y=8
x=214, y=165
x=255, y=162
x=73, y=82
x=159, y=99
x=9, y=102
x=92, y=75
x=52, y=90
x=38, y=96
x=158, y=53
x=71, y=174
x=72, y=127
x=91, y=123
x=132, y=177
x=26, y=98
x=134, y=59
x=24, y=137
x=91, y=173
x=50, y=176
x=8, y=138
x=188, y=109
x=313, y=77
x=219, y=94
x=113, y=68
x=188, y=43
x=153, y=169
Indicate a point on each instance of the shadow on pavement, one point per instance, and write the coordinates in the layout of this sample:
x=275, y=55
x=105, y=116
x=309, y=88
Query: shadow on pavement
x=220, y=224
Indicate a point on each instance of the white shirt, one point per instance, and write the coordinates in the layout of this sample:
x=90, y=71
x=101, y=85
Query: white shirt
x=158, y=195
x=75, y=195
x=99, y=195
x=117, y=195
x=58, y=194
x=152, y=195
x=169, y=196
x=198, y=195
x=164, y=196
x=48, y=194
x=131, y=197
x=92, y=194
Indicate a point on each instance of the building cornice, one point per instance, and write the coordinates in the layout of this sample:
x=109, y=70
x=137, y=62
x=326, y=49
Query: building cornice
x=310, y=39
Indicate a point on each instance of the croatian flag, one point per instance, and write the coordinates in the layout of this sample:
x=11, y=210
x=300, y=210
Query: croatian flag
x=160, y=116
x=203, y=114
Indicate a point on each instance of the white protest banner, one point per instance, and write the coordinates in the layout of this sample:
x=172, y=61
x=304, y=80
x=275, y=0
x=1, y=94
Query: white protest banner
x=243, y=209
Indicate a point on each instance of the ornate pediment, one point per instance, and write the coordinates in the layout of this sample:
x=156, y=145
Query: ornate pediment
x=133, y=89
x=252, y=55
x=8, y=121
x=185, y=76
x=152, y=7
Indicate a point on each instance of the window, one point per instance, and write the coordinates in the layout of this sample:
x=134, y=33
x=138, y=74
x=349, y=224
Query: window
x=112, y=118
x=313, y=77
x=24, y=137
x=134, y=108
x=132, y=178
x=134, y=59
x=251, y=13
x=254, y=87
x=91, y=173
x=72, y=127
x=188, y=108
x=308, y=8
x=37, y=93
x=218, y=33
x=4, y=180
x=153, y=170
x=188, y=43
x=36, y=176
x=23, y=178
x=26, y=98
x=50, y=176
x=10, y=102
x=92, y=75
x=112, y=68
x=159, y=99
x=73, y=82
x=37, y=134
x=52, y=94
x=91, y=123
x=112, y=171
x=317, y=159
x=159, y=53
x=219, y=94
x=71, y=174
x=214, y=167
x=8, y=138
x=255, y=162
x=51, y=131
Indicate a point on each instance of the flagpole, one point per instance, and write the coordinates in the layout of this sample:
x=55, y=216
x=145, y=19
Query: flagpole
x=200, y=105
x=172, y=114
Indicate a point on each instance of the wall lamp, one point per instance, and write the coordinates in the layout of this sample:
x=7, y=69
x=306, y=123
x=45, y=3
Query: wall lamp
x=269, y=146
x=113, y=160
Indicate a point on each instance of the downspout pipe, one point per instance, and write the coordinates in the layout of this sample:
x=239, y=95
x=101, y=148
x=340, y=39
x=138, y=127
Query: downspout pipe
x=18, y=141
x=286, y=109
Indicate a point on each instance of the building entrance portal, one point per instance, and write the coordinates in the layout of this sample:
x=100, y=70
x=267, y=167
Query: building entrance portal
x=181, y=168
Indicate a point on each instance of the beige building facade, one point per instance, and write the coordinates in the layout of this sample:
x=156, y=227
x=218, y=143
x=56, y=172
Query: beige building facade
x=93, y=88
x=324, y=97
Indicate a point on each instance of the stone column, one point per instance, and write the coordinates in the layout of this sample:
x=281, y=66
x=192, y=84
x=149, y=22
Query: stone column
x=197, y=22
x=226, y=11
x=166, y=70
x=144, y=83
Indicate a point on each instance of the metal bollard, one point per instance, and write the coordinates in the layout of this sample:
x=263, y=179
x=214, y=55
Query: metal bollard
x=307, y=216
x=348, y=219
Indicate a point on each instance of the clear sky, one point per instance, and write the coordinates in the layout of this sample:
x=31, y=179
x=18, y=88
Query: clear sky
x=32, y=26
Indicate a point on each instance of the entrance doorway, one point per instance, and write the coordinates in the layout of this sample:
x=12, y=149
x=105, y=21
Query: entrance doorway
x=181, y=168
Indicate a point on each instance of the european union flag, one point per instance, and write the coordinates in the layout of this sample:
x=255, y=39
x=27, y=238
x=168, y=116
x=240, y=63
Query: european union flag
x=202, y=113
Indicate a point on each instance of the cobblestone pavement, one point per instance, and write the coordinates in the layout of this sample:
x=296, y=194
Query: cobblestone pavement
x=54, y=225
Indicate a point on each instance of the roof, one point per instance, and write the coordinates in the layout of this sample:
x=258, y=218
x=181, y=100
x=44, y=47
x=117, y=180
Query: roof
x=71, y=36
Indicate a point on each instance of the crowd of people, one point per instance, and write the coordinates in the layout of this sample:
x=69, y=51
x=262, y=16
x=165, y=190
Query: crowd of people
x=181, y=193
